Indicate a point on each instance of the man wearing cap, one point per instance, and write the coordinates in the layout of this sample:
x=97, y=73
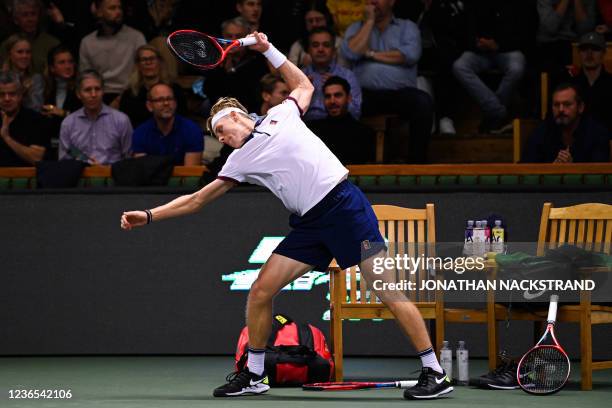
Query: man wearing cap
x=593, y=79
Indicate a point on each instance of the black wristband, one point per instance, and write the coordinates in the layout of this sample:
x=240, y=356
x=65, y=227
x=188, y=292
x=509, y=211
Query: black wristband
x=149, y=216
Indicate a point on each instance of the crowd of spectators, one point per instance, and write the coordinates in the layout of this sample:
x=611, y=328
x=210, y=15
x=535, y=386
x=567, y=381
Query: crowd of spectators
x=93, y=81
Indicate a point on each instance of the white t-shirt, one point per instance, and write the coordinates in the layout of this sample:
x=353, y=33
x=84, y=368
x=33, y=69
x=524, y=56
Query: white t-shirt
x=287, y=158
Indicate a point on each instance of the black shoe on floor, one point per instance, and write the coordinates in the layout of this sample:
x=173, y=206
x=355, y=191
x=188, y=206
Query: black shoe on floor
x=431, y=385
x=502, y=378
x=243, y=383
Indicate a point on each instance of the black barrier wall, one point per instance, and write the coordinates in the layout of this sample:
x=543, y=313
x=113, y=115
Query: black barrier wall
x=73, y=283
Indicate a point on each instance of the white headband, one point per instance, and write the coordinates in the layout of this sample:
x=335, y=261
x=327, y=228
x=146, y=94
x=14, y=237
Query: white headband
x=221, y=114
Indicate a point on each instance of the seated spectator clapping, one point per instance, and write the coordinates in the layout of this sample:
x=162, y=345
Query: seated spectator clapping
x=569, y=135
x=23, y=138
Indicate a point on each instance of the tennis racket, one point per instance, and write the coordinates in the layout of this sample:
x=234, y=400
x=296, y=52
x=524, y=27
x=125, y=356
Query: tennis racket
x=545, y=368
x=201, y=50
x=357, y=385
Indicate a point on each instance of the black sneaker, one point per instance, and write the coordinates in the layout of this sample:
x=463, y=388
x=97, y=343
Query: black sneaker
x=431, y=385
x=243, y=383
x=502, y=378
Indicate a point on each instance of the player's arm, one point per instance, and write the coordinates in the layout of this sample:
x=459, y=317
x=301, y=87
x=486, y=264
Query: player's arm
x=300, y=87
x=183, y=205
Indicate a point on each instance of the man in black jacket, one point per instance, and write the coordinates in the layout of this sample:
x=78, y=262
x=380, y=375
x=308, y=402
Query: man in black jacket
x=350, y=140
x=568, y=136
x=593, y=79
x=495, y=42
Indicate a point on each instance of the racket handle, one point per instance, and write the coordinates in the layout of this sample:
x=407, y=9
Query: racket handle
x=552, y=308
x=246, y=41
x=405, y=384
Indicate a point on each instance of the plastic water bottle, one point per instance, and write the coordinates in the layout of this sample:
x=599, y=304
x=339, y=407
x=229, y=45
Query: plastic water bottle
x=479, y=239
x=463, y=373
x=446, y=359
x=468, y=240
x=497, y=238
x=487, y=235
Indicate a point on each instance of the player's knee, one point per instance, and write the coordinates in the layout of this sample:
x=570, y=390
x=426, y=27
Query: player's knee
x=259, y=293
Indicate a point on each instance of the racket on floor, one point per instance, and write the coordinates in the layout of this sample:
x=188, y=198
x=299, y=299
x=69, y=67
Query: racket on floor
x=545, y=368
x=357, y=385
x=201, y=50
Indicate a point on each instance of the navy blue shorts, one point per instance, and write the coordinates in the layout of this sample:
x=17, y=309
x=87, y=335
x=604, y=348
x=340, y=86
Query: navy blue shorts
x=342, y=226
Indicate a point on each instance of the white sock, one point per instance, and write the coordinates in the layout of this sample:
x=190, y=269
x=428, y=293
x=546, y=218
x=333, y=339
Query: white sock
x=256, y=359
x=428, y=359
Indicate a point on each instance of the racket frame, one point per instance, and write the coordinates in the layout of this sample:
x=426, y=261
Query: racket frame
x=550, y=330
x=218, y=42
x=357, y=385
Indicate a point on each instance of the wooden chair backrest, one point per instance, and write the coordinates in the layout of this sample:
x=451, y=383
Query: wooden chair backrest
x=522, y=128
x=586, y=225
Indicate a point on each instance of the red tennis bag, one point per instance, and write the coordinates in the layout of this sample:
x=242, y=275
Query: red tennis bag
x=296, y=353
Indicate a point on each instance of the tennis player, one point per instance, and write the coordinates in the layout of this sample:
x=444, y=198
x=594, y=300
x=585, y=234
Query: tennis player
x=331, y=218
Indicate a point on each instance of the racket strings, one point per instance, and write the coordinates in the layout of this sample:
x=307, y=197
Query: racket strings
x=544, y=369
x=195, y=48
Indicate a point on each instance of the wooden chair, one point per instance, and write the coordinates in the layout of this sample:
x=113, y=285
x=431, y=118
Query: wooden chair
x=350, y=297
x=521, y=129
x=588, y=226
x=378, y=123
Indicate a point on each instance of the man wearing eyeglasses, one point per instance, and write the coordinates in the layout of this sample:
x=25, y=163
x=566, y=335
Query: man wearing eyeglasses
x=166, y=133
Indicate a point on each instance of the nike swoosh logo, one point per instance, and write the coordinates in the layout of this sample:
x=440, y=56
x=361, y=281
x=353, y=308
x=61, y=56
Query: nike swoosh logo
x=251, y=382
x=441, y=380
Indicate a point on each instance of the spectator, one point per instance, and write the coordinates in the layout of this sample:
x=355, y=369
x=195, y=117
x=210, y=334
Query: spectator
x=70, y=21
x=324, y=65
x=274, y=90
x=109, y=50
x=240, y=70
x=60, y=95
x=96, y=133
x=593, y=79
x=569, y=136
x=350, y=140
x=23, y=139
x=149, y=69
x=27, y=16
x=443, y=25
x=494, y=44
x=314, y=18
x=250, y=11
x=19, y=60
x=152, y=18
x=561, y=22
x=386, y=51
x=345, y=13
x=166, y=133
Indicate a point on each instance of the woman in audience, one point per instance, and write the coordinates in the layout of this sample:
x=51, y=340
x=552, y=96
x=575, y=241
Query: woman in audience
x=60, y=95
x=19, y=60
x=149, y=70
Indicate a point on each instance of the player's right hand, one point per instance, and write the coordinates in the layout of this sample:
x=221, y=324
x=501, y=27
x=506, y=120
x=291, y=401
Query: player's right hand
x=131, y=219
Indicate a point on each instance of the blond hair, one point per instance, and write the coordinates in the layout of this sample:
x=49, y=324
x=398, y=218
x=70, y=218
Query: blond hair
x=136, y=81
x=26, y=76
x=222, y=103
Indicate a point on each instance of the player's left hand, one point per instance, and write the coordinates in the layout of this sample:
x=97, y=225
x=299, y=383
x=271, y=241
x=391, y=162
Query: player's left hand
x=262, y=42
x=133, y=219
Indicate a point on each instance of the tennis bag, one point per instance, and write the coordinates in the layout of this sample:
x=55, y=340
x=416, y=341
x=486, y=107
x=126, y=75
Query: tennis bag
x=296, y=353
